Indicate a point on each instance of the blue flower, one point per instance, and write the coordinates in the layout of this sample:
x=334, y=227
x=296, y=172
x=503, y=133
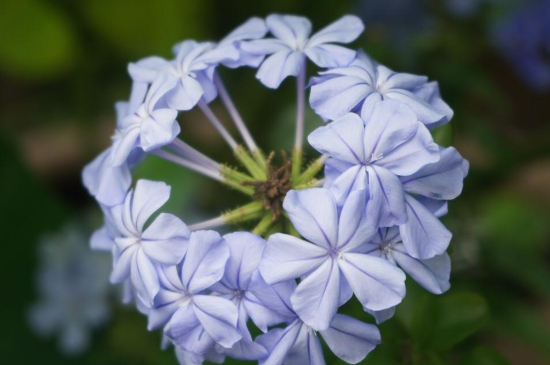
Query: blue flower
x=193, y=320
x=148, y=127
x=139, y=251
x=293, y=44
x=237, y=285
x=108, y=183
x=328, y=259
x=349, y=339
x=426, y=191
x=253, y=28
x=74, y=290
x=373, y=152
x=364, y=82
x=524, y=39
x=432, y=274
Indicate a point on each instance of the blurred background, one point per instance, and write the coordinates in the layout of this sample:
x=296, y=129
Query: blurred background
x=63, y=65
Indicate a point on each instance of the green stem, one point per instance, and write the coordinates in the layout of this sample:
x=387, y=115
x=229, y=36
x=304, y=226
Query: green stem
x=260, y=158
x=312, y=170
x=248, y=162
x=245, y=213
x=296, y=164
x=264, y=224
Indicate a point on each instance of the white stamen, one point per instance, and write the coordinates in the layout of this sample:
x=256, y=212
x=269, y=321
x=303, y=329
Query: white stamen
x=217, y=124
x=237, y=119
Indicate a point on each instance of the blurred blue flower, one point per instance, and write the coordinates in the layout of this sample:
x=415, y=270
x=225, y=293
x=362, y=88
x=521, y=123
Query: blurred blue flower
x=74, y=290
x=397, y=21
x=524, y=39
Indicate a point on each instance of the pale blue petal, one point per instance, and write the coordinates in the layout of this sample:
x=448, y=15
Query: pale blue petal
x=390, y=125
x=442, y=180
x=381, y=316
x=279, y=66
x=344, y=30
x=166, y=303
x=219, y=318
x=376, y=283
x=335, y=97
x=205, y=260
x=341, y=139
x=430, y=93
x=261, y=315
x=144, y=278
x=307, y=349
x=123, y=265
x=358, y=221
x=159, y=129
x=433, y=274
x=387, y=189
x=287, y=257
x=398, y=80
x=275, y=297
x=185, y=95
x=351, y=340
x=166, y=239
x=333, y=169
x=293, y=30
x=424, y=111
x=160, y=87
x=354, y=178
x=245, y=254
x=124, y=144
x=253, y=28
x=148, y=197
x=187, y=332
x=438, y=208
x=316, y=297
x=330, y=55
x=263, y=47
x=208, y=87
x=411, y=156
x=101, y=240
x=278, y=342
x=423, y=234
x=314, y=214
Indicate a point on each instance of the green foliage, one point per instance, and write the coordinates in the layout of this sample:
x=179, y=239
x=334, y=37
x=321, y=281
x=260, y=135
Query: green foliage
x=441, y=323
x=38, y=40
x=142, y=27
x=483, y=356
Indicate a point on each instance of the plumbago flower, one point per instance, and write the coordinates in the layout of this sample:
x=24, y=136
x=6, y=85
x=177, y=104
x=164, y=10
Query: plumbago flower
x=349, y=339
x=362, y=84
x=386, y=183
x=372, y=151
x=139, y=250
x=292, y=45
x=333, y=268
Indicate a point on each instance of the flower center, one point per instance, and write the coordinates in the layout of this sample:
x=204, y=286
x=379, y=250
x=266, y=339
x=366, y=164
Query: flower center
x=272, y=191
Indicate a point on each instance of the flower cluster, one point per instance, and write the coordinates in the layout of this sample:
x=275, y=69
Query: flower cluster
x=357, y=231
